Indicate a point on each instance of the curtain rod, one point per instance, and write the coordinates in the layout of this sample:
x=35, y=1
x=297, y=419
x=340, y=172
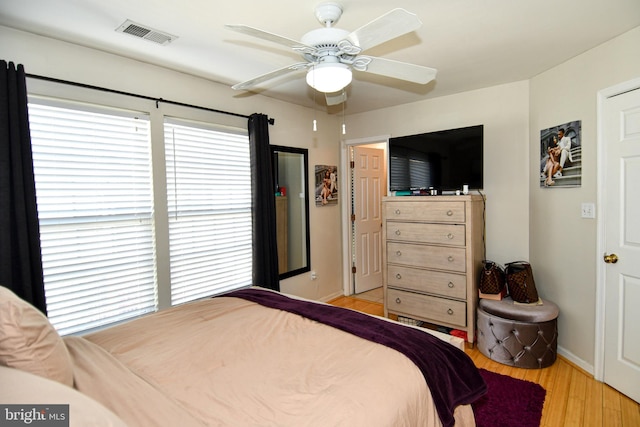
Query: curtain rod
x=150, y=98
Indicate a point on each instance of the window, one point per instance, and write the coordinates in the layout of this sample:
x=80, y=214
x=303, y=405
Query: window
x=411, y=169
x=101, y=236
x=209, y=206
x=93, y=187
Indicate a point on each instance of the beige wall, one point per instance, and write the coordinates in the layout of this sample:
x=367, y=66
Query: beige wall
x=504, y=112
x=51, y=58
x=563, y=245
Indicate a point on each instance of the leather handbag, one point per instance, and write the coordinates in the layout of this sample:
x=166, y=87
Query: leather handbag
x=520, y=283
x=492, y=279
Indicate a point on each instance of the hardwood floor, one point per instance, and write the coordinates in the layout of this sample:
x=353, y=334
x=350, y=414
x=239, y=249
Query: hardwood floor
x=573, y=398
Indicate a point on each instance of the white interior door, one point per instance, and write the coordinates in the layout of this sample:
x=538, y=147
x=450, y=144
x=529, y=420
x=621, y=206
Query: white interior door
x=621, y=138
x=368, y=182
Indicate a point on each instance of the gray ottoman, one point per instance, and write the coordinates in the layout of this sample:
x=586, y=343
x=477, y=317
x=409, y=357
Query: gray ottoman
x=518, y=335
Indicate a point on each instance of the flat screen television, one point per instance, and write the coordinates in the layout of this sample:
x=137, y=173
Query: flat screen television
x=443, y=160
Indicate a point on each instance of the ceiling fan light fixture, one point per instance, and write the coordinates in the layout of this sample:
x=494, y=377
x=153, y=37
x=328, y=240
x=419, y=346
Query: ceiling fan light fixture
x=329, y=77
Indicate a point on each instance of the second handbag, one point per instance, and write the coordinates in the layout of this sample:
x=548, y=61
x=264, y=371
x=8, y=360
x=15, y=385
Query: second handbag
x=520, y=283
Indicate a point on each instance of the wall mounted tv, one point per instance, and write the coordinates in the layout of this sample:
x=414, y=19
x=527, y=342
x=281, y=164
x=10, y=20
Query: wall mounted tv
x=444, y=160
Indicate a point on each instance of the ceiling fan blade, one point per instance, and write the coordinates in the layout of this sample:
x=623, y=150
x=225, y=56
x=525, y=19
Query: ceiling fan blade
x=271, y=75
x=384, y=28
x=399, y=70
x=265, y=35
x=335, y=98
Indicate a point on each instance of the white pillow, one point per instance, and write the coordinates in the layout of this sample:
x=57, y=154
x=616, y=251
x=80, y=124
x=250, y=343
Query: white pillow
x=22, y=388
x=29, y=342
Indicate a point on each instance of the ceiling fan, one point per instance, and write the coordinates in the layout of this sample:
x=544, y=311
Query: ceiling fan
x=330, y=54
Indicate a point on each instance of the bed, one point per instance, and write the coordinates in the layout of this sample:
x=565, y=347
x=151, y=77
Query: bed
x=252, y=357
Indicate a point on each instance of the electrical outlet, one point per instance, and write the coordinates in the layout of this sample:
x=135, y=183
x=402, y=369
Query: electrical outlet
x=588, y=210
x=314, y=276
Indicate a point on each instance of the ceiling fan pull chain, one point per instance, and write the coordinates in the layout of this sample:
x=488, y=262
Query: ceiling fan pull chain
x=315, y=123
x=344, y=126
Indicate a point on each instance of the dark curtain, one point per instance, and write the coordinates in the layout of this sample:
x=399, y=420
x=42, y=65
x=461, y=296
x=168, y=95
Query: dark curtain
x=20, y=256
x=265, y=253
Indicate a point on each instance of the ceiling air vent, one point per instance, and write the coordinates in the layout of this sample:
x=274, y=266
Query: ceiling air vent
x=146, y=33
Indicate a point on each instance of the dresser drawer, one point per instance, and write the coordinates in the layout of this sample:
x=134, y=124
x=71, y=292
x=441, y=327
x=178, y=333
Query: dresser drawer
x=433, y=282
x=440, y=234
x=435, y=211
x=427, y=307
x=438, y=257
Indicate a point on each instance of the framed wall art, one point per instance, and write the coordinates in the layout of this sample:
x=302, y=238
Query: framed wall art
x=561, y=156
x=326, y=185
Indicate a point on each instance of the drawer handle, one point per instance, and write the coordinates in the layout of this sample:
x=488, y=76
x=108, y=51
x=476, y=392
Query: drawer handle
x=398, y=301
x=449, y=212
x=397, y=211
x=450, y=258
x=398, y=232
x=450, y=312
x=398, y=253
x=450, y=236
x=451, y=285
x=398, y=276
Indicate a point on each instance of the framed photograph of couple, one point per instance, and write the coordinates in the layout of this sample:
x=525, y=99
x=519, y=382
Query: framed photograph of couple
x=561, y=156
x=326, y=185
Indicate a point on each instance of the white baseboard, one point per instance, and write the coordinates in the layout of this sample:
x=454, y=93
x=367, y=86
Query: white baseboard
x=331, y=296
x=576, y=360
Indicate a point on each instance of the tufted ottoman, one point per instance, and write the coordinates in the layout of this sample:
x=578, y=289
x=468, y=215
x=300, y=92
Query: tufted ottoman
x=518, y=335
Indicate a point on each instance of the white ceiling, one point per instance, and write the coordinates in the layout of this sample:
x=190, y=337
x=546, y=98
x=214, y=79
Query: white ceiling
x=472, y=43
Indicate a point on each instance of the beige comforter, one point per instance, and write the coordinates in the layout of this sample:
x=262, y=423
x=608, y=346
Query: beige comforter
x=230, y=362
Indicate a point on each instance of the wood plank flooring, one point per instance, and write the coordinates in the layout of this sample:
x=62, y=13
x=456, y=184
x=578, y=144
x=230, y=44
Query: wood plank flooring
x=573, y=398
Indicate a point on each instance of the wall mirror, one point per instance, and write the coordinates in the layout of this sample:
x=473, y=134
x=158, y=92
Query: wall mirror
x=290, y=172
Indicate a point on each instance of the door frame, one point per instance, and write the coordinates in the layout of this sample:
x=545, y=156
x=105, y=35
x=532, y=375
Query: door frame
x=348, y=286
x=601, y=201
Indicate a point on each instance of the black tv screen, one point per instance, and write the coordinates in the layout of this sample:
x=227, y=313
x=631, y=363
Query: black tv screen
x=444, y=160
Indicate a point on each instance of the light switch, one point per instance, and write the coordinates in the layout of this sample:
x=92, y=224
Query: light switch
x=588, y=210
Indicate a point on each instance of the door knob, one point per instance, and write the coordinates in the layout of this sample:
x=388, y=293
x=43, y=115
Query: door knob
x=610, y=259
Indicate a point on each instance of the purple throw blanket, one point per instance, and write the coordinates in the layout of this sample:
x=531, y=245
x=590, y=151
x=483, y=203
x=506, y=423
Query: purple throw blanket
x=451, y=375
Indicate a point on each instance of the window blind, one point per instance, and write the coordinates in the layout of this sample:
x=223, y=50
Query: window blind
x=411, y=170
x=420, y=171
x=399, y=166
x=93, y=187
x=209, y=208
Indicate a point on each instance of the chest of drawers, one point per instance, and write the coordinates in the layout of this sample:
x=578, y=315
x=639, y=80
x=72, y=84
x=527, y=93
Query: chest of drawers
x=433, y=250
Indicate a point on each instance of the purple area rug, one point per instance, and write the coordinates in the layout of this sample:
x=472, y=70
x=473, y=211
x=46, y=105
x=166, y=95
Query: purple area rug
x=509, y=402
